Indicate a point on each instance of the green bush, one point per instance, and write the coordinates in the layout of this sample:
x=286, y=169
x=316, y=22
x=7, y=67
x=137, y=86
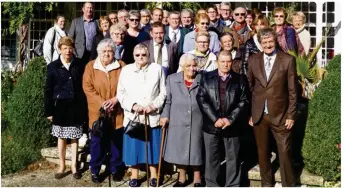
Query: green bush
x=28, y=131
x=320, y=151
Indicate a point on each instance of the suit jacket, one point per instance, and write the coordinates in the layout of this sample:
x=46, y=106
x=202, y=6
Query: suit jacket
x=77, y=33
x=180, y=43
x=280, y=90
x=172, y=51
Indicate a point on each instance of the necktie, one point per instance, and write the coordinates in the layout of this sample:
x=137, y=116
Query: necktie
x=268, y=67
x=118, y=51
x=174, y=37
x=159, y=59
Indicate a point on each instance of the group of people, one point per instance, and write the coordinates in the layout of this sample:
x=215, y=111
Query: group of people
x=200, y=76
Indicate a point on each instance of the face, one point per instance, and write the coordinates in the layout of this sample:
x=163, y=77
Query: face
x=186, y=19
x=105, y=25
x=224, y=64
x=227, y=43
x=123, y=18
x=165, y=19
x=249, y=19
x=157, y=16
x=279, y=18
x=61, y=22
x=141, y=57
x=134, y=22
x=106, y=54
x=260, y=25
x=174, y=20
x=212, y=14
x=202, y=43
x=157, y=34
x=190, y=68
x=203, y=25
x=225, y=11
x=117, y=36
x=88, y=10
x=297, y=22
x=268, y=44
x=145, y=18
x=66, y=52
x=239, y=15
x=113, y=18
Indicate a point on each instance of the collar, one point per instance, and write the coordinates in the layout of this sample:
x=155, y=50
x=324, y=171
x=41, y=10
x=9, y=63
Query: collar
x=163, y=44
x=224, y=77
x=112, y=66
x=273, y=55
x=83, y=18
x=136, y=68
x=215, y=24
x=175, y=30
x=300, y=29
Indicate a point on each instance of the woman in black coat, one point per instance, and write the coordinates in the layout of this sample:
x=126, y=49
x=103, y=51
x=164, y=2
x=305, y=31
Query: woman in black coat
x=65, y=102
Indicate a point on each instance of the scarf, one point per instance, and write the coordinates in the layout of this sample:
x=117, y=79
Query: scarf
x=239, y=28
x=202, y=58
x=282, y=41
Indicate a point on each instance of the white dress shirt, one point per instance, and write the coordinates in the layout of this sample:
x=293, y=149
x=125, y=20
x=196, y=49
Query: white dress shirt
x=145, y=86
x=170, y=33
x=268, y=71
x=164, y=58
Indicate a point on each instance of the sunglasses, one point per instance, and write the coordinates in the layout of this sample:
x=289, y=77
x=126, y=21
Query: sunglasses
x=241, y=14
x=138, y=55
x=134, y=19
x=276, y=16
x=204, y=23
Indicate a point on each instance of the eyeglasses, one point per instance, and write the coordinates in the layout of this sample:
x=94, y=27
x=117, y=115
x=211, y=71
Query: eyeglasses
x=134, y=19
x=204, y=23
x=241, y=14
x=276, y=16
x=202, y=42
x=227, y=10
x=117, y=34
x=138, y=55
x=211, y=12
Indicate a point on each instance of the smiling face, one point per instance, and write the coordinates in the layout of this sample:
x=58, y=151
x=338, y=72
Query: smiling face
x=260, y=25
x=145, y=18
x=107, y=54
x=298, y=22
x=134, y=21
x=203, y=25
x=105, y=25
x=61, y=22
x=186, y=19
x=157, y=15
x=279, y=18
x=141, y=57
x=202, y=43
x=227, y=43
x=113, y=18
x=212, y=13
x=123, y=18
x=190, y=68
x=225, y=11
x=157, y=34
x=66, y=52
x=174, y=20
x=88, y=10
x=117, y=36
x=268, y=43
x=239, y=14
x=249, y=19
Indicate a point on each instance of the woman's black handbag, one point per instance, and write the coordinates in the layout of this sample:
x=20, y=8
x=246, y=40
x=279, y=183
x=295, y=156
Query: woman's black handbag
x=103, y=123
x=134, y=128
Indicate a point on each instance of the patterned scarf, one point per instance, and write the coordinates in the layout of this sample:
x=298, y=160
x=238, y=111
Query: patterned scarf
x=202, y=58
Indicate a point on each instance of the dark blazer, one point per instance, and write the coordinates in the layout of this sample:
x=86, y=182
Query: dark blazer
x=97, y=39
x=236, y=101
x=172, y=51
x=180, y=43
x=77, y=33
x=280, y=90
x=63, y=94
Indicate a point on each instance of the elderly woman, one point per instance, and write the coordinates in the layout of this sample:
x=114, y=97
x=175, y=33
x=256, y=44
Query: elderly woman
x=51, y=40
x=117, y=33
x=104, y=27
x=65, y=102
x=142, y=92
x=100, y=83
x=202, y=22
x=227, y=44
x=205, y=58
x=298, y=21
x=133, y=36
x=184, y=141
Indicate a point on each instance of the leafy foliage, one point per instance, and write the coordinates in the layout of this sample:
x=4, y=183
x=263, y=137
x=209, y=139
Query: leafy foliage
x=28, y=131
x=320, y=151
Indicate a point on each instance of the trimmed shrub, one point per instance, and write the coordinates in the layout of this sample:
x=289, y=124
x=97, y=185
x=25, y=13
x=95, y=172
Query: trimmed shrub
x=320, y=149
x=28, y=130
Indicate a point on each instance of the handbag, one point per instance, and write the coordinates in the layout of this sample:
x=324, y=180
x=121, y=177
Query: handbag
x=134, y=128
x=99, y=126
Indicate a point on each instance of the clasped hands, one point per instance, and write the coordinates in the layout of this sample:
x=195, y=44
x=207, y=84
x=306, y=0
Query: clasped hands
x=109, y=104
x=222, y=123
x=144, y=110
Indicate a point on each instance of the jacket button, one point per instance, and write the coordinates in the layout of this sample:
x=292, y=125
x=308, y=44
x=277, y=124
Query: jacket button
x=70, y=77
x=189, y=112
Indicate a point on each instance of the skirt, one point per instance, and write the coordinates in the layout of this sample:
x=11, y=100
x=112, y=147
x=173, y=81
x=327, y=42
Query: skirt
x=134, y=148
x=71, y=132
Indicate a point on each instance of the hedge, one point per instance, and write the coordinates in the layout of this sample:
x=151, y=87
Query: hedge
x=28, y=131
x=320, y=150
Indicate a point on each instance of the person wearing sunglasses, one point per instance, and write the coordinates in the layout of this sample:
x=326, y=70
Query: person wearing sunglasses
x=287, y=38
x=202, y=22
x=239, y=25
x=104, y=25
x=133, y=36
x=141, y=92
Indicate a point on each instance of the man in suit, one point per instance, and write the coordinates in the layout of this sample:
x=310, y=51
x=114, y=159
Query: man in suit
x=174, y=32
x=187, y=19
x=145, y=20
x=82, y=31
x=225, y=9
x=222, y=97
x=272, y=78
x=160, y=51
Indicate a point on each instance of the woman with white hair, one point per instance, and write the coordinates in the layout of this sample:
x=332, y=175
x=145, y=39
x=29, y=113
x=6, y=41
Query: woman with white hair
x=100, y=83
x=184, y=143
x=141, y=92
x=298, y=21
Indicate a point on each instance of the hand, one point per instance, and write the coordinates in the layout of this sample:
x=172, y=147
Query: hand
x=226, y=122
x=109, y=104
x=289, y=123
x=50, y=118
x=149, y=109
x=138, y=108
x=219, y=123
x=250, y=122
x=163, y=122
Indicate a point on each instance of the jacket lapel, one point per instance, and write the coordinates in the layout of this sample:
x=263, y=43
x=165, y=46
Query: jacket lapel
x=181, y=84
x=82, y=26
x=195, y=84
x=275, y=66
x=261, y=70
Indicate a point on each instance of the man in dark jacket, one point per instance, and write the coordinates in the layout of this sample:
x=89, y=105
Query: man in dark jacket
x=216, y=24
x=222, y=97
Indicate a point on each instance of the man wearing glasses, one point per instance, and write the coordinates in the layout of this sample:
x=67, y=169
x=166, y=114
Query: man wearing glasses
x=216, y=25
x=239, y=25
x=123, y=16
x=225, y=9
x=145, y=20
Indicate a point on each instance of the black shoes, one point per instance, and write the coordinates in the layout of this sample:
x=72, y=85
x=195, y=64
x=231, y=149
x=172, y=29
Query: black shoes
x=198, y=185
x=59, y=175
x=179, y=184
x=153, y=182
x=95, y=178
x=77, y=175
x=133, y=183
x=117, y=177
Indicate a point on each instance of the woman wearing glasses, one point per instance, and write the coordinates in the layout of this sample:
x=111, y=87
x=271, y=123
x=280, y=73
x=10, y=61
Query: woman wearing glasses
x=202, y=22
x=104, y=25
x=133, y=36
x=142, y=91
x=117, y=33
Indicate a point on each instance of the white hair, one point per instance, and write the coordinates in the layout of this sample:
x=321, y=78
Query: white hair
x=103, y=43
x=186, y=58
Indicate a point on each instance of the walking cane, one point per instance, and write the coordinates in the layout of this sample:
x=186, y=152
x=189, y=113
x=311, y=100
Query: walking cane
x=161, y=150
x=146, y=139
